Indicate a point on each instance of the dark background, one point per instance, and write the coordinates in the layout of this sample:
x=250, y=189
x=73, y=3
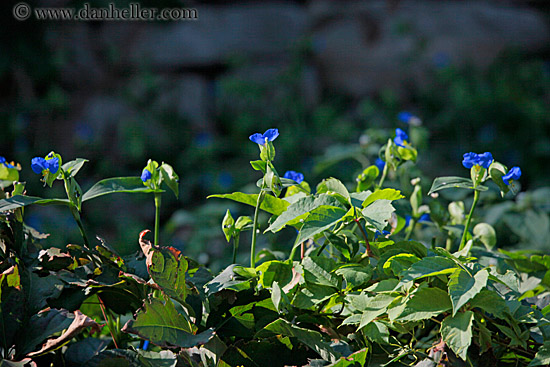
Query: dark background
x=329, y=75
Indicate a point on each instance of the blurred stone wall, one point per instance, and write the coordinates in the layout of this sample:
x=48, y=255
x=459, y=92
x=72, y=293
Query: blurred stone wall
x=356, y=48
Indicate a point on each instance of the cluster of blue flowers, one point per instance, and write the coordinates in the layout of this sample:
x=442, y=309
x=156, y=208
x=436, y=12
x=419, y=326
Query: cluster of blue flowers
x=39, y=164
x=473, y=159
x=5, y=163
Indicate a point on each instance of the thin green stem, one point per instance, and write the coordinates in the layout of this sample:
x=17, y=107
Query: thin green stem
x=410, y=229
x=384, y=173
x=468, y=221
x=235, y=247
x=157, y=217
x=76, y=216
x=254, y=229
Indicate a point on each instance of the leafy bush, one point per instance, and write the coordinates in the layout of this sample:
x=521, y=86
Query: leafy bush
x=362, y=292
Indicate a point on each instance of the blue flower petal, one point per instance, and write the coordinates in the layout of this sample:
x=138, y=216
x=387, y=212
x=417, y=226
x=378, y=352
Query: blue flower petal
x=470, y=160
x=38, y=164
x=2, y=159
x=271, y=134
x=293, y=175
x=380, y=164
x=425, y=218
x=145, y=175
x=405, y=116
x=407, y=220
x=257, y=138
x=52, y=164
x=485, y=159
x=401, y=137
x=513, y=174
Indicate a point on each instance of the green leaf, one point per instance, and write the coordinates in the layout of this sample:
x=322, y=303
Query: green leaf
x=167, y=267
x=367, y=178
x=371, y=307
x=463, y=287
x=243, y=223
x=486, y=234
x=259, y=165
x=353, y=360
x=407, y=153
x=333, y=186
x=319, y=220
x=228, y=226
x=356, y=275
x=42, y=326
x=71, y=168
x=312, y=294
x=312, y=339
x=300, y=209
x=170, y=177
x=543, y=356
x=318, y=270
x=227, y=279
x=19, y=201
x=270, y=204
x=425, y=303
x=75, y=192
x=491, y=302
x=377, y=332
x=378, y=213
x=274, y=271
x=457, y=332
x=399, y=263
x=429, y=266
x=271, y=178
x=496, y=171
x=441, y=183
x=160, y=323
x=387, y=194
x=344, y=242
x=8, y=174
x=117, y=184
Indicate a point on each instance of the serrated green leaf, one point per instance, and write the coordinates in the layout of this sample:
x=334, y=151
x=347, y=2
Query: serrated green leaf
x=463, y=287
x=387, y=194
x=356, y=275
x=300, y=209
x=425, y=303
x=542, y=357
x=333, y=185
x=378, y=213
x=367, y=178
x=429, y=266
x=319, y=220
x=398, y=263
x=160, y=323
x=274, y=271
x=491, y=302
x=116, y=185
x=377, y=332
x=318, y=270
x=457, y=332
x=448, y=182
x=312, y=339
x=270, y=204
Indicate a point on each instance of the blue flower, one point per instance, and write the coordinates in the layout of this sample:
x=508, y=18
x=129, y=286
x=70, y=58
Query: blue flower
x=269, y=135
x=293, y=175
x=473, y=159
x=513, y=174
x=407, y=220
x=377, y=233
x=380, y=164
x=145, y=175
x=405, y=116
x=425, y=218
x=3, y=161
x=39, y=165
x=401, y=138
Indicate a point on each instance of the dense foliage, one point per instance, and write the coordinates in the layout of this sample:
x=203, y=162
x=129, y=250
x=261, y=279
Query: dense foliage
x=356, y=289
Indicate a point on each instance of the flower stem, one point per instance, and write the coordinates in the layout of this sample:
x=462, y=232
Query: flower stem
x=157, y=218
x=384, y=173
x=254, y=229
x=468, y=220
x=235, y=247
x=76, y=216
x=410, y=229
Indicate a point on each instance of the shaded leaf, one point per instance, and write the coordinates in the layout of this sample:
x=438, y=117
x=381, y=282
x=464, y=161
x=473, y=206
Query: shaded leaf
x=319, y=220
x=457, y=332
x=378, y=213
x=448, y=182
x=463, y=287
x=425, y=303
x=117, y=185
